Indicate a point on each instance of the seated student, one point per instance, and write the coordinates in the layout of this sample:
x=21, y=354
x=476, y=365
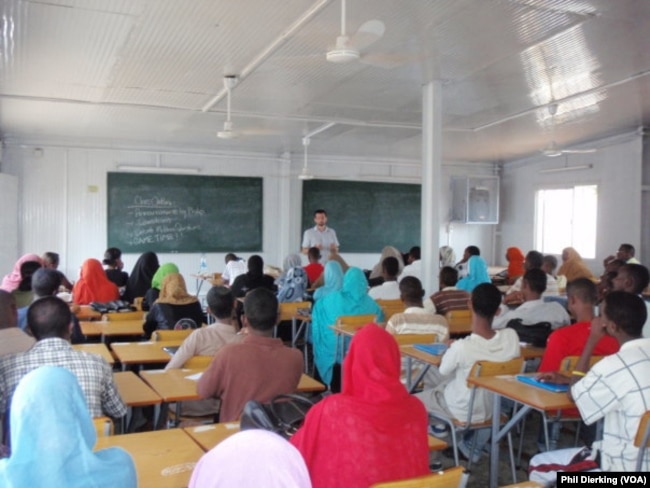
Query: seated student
x=45, y=283
x=573, y=266
x=114, y=265
x=142, y=273
x=51, y=261
x=625, y=253
x=49, y=319
x=389, y=289
x=477, y=273
x=549, y=265
x=24, y=294
x=253, y=278
x=314, y=269
x=534, y=309
x=534, y=260
x=277, y=463
x=332, y=279
x=451, y=396
x=449, y=297
x=293, y=282
x=173, y=304
x=414, y=264
x=617, y=388
x=235, y=266
x=373, y=417
x=351, y=299
x=606, y=283
x=257, y=368
x=375, y=277
x=11, y=281
x=462, y=266
x=634, y=278
x=93, y=285
x=416, y=319
x=12, y=338
x=53, y=438
x=447, y=256
x=206, y=341
x=515, y=258
x=153, y=293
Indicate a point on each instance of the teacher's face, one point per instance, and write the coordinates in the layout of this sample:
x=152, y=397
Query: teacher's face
x=320, y=219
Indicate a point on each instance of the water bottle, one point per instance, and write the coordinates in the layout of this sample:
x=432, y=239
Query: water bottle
x=203, y=266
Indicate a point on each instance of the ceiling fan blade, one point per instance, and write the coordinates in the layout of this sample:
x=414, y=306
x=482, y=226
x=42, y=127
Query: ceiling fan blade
x=367, y=34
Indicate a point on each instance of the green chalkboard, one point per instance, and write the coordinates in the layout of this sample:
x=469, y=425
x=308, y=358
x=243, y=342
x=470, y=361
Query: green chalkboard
x=178, y=213
x=366, y=216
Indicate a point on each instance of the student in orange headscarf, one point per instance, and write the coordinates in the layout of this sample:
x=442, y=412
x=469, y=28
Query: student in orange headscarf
x=515, y=257
x=93, y=285
x=573, y=267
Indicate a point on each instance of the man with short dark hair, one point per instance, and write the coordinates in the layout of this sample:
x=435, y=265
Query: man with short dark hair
x=320, y=236
x=50, y=319
x=413, y=266
x=389, y=289
x=448, y=297
x=534, y=260
x=616, y=388
x=462, y=266
x=625, y=253
x=549, y=265
x=314, y=269
x=634, y=278
x=534, y=309
x=257, y=368
x=416, y=319
x=12, y=339
x=451, y=397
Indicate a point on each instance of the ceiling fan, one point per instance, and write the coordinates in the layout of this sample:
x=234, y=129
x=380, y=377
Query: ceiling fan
x=229, y=131
x=553, y=150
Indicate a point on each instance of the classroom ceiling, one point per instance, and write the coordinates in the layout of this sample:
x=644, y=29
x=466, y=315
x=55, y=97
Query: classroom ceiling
x=516, y=75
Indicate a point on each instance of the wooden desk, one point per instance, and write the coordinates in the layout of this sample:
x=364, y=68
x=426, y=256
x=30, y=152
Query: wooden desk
x=85, y=312
x=142, y=352
x=530, y=397
x=163, y=458
x=532, y=352
x=98, y=349
x=112, y=328
x=428, y=360
x=90, y=329
x=134, y=391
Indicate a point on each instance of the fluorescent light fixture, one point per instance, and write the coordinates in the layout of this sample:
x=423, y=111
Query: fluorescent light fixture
x=562, y=169
x=157, y=169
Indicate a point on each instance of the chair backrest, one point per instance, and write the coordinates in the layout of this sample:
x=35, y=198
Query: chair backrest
x=289, y=310
x=198, y=362
x=170, y=335
x=459, y=321
x=103, y=426
x=115, y=316
x=569, y=362
x=355, y=322
x=406, y=339
x=449, y=478
x=391, y=307
x=495, y=368
x=642, y=439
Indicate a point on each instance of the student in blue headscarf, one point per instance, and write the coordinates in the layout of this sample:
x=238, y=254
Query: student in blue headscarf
x=52, y=438
x=477, y=273
x=332, y=280
x=352, y=299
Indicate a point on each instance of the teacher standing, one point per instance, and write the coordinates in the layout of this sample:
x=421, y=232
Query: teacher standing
x=320, y=236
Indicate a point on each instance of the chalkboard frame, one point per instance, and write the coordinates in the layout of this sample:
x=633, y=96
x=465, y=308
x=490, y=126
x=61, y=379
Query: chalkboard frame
x=213, y=213
x=354, y=210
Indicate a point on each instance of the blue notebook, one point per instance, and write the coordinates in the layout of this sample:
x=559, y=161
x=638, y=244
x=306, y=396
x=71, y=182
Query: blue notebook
x=435, y=349
x=555, y=387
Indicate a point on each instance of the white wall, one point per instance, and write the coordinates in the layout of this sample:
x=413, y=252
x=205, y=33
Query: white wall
x=8, y=221
x=62, y=198
x=617, y=172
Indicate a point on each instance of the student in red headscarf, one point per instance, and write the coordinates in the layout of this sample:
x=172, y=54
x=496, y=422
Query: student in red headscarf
x=374, y=417
x=516, y=258
x=93, y=285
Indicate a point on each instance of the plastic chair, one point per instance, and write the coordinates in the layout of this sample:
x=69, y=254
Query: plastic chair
x=459, y=321
x=449, y=478
x=103, y=426
x=391, y=307
x=170, y=335
x=569, y=362
x=642, y=438
x=456, y=426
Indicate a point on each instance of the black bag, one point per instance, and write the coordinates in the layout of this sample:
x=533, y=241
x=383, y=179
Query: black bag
x=534, y=334
x=283, y=415
x=113, y=306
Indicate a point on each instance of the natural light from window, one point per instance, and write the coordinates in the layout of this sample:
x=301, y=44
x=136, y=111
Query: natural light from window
x=566, y=217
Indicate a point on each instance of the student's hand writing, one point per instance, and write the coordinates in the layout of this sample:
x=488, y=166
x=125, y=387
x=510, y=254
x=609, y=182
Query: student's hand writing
x=553, y=377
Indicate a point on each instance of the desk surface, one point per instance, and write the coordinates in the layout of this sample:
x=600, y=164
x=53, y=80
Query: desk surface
x=143, y=352
x=112, y=328
x=84, y=312
x=163, y=458
x=538, y=398
x=173, y=385
x=134, y=391
x=425, y=357
x=98, y=349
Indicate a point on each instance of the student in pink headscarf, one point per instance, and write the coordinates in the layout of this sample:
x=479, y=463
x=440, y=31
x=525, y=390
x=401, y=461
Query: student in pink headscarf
x=11, y=281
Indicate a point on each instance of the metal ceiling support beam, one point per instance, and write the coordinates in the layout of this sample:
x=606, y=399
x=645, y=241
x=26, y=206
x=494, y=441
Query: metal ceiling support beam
x=431, y=183
x=271, y=48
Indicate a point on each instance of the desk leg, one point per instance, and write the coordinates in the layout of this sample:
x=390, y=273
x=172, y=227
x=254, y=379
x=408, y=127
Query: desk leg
x=494, y=447
x=293, y=332
x=418, y=378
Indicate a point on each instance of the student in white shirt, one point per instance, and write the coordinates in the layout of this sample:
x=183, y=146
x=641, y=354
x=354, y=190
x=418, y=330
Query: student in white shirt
x=389, y=289
x=235, y=266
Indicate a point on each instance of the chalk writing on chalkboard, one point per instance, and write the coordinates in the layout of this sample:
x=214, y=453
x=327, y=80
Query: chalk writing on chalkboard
x=184, y=213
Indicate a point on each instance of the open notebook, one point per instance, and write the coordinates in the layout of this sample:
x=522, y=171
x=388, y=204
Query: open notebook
x=556, y=387
x=435, y=349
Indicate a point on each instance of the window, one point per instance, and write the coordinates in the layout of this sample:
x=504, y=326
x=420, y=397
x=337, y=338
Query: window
x=566, y=217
